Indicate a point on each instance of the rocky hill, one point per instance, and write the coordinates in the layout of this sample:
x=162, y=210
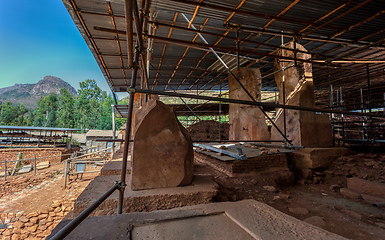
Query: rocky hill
x=29, y=94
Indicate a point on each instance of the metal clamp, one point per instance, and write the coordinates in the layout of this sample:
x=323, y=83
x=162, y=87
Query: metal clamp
x=121, y=186
x=131, y=90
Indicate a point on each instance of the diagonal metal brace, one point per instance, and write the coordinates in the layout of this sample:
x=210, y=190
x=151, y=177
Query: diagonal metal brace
x=287, y=141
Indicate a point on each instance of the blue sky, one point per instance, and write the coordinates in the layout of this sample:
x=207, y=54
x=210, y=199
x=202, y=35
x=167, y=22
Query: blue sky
x=39, y=38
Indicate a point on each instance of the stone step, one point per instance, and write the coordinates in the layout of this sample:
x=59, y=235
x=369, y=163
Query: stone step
x=114, y=167
x=247, y=219
x=312, y=158
x=202, y=190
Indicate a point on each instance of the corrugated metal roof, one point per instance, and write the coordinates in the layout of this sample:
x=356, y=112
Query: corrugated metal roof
x=173, y=67
x=29, y=128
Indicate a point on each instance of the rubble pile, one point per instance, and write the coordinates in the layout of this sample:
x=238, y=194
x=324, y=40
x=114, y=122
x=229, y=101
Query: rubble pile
x=34, y=225
x=20, y=183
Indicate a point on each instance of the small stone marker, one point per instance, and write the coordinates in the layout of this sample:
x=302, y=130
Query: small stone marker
x=42, y=165
x=25, y=169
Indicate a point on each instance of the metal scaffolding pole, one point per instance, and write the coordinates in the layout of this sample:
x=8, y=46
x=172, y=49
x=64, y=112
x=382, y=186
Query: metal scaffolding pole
x=113, y=128
x=370, y=109
x=283, y=90
x=128, y=5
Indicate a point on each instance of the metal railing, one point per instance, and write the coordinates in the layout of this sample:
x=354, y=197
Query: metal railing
x=72, y=162
x=17, y=161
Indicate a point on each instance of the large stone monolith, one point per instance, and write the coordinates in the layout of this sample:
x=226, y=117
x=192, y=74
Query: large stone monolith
x=162, y=153
x=246, y=122
x=304, y=128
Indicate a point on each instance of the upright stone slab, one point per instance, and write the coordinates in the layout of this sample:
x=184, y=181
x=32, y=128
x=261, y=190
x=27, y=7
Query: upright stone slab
x=246, y=122
x=162, y=154
x=304, y=128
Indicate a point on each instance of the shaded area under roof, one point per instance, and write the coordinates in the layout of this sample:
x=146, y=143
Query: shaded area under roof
x=330, y=30
x=207, y=109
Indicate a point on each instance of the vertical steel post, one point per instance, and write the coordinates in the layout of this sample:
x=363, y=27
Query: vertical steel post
x=370, y=109
x=130, y=31
x=113, y=128
x=220, y=113
x=283, y=91
x=5, y=170
x=237, y=47
x=129, y=5
x=331, y=95
x=65, y=173
x=362, y=111
x=383, y=110
x=342, y=118
x=331, y=114
x=34, y=164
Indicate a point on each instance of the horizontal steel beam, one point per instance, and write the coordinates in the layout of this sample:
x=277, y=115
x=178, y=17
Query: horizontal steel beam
x=262, y=104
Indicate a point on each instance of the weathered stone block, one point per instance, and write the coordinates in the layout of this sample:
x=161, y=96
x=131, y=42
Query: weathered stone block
x=42, y=165
x=372, y=199
x=303, y=128
x=246, y=122
x=312, y=158
x=162, y=154
x=350, y=193
x=365, y=186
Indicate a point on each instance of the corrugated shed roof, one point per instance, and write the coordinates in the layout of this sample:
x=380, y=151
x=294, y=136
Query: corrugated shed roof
x=354, y=24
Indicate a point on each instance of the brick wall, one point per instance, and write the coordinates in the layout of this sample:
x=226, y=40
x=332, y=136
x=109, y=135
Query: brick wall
x=208, y=131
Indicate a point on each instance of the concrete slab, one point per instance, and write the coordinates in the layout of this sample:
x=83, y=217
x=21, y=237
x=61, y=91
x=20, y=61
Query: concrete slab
x=246, y=219
x=202, y=190
x=114, y=167
x=25, y=169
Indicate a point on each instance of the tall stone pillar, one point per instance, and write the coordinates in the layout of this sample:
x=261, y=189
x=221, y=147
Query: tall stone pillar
x=304, y=128
x=246, y=122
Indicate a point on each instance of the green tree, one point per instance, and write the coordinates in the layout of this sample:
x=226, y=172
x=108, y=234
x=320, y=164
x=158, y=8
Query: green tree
x=21, y=112
x=13, y=115
x=66, y=112
x=105, y=114
x=8, y=114
x=45, y=115
x=87, y=104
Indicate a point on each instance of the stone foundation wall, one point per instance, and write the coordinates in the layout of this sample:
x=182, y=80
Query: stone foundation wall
x=13, y=154
x=244, y=166
x=34, y=225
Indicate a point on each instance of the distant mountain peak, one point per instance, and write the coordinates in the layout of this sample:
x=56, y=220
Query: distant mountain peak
x=52, y=84
x=29, y=94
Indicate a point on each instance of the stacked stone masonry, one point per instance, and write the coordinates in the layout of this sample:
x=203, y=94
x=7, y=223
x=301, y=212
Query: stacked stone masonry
x=33, y=225
x=13, y=154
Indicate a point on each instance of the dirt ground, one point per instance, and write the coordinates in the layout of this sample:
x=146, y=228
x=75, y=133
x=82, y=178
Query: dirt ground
x=30, y=194
x=317, y=200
